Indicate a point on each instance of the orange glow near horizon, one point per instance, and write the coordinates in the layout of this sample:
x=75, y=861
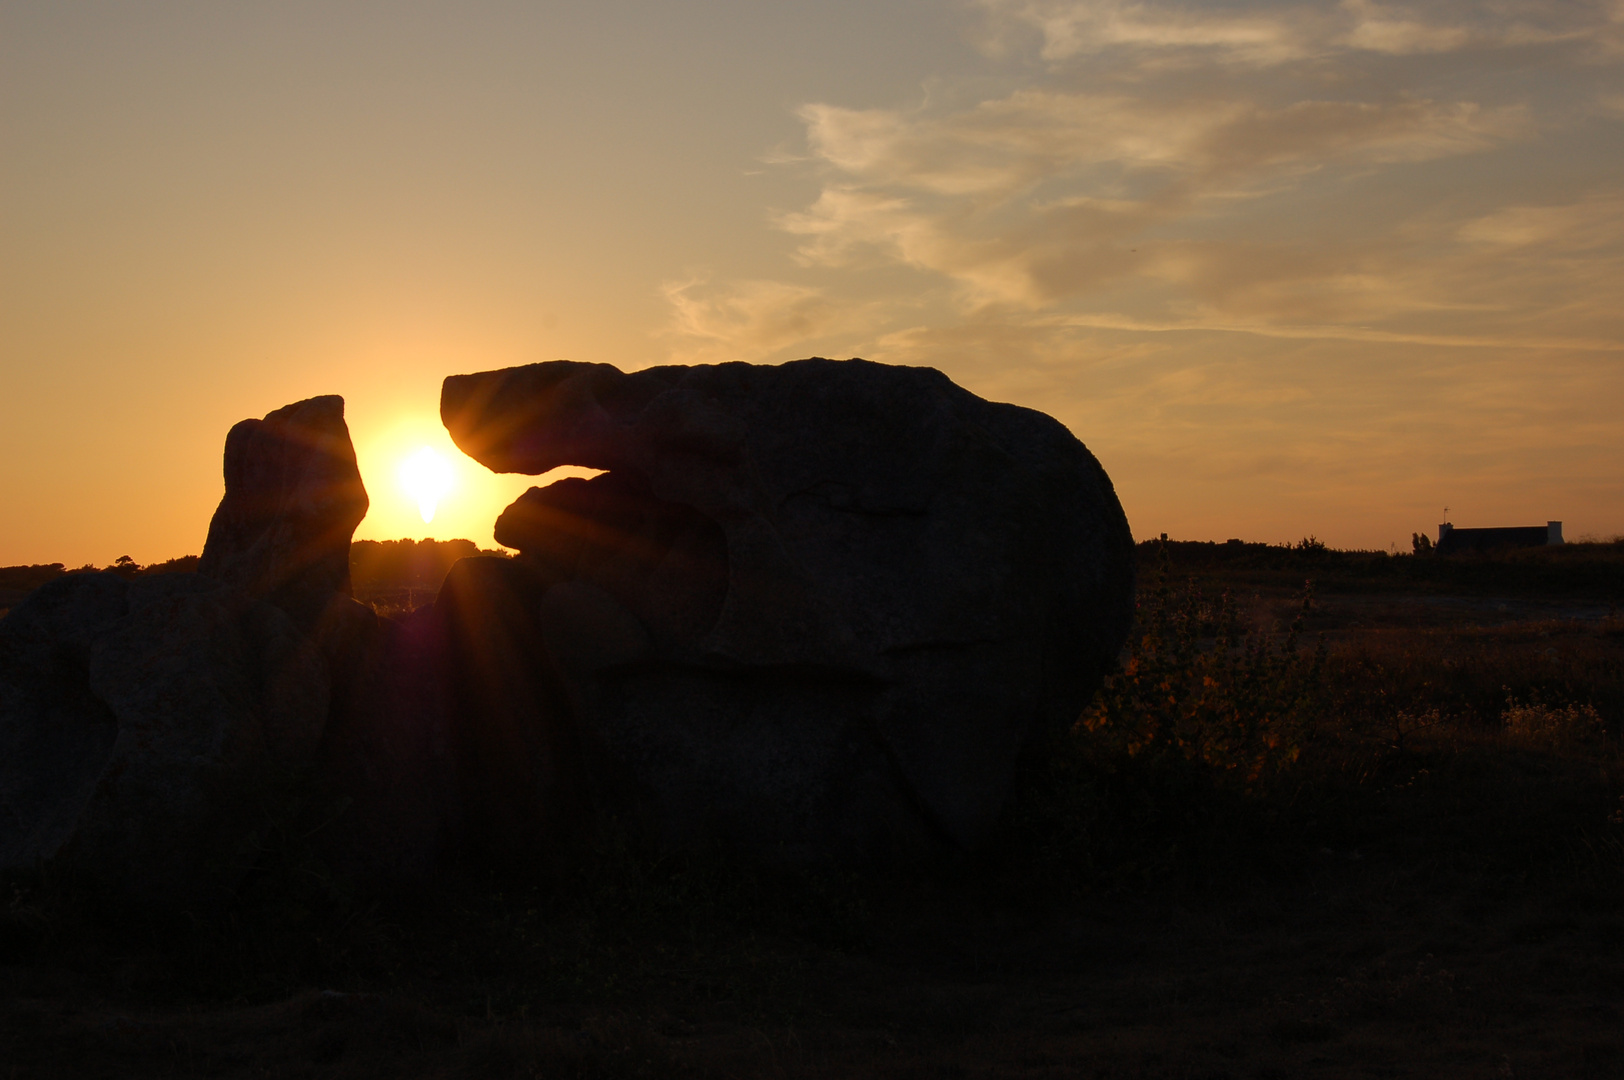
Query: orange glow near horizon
x=416, y=476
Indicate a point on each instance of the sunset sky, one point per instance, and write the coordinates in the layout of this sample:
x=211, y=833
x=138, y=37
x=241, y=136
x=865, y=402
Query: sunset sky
x=1286, y=268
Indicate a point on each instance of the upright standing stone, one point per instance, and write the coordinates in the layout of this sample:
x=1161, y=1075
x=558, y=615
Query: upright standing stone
x=152, y=731
x=293, y=499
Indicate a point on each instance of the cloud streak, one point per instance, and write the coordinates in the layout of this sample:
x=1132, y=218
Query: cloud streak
x=1042, y=196
x=716, y=322
x=1268, y=35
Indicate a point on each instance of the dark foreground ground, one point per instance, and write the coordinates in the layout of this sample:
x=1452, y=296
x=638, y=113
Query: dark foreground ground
x=1420, y=873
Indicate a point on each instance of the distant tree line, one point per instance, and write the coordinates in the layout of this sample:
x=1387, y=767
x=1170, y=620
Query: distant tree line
x=17, y=582
x=376, y=567
x=1588, y=569
x=399, y=564
x=379, y=568
x=398, y=576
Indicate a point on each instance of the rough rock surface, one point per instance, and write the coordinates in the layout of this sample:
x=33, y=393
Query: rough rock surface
x=386, y=770
x=815, y=610
x=55, y=733
x=219, y=702
x=152, y=730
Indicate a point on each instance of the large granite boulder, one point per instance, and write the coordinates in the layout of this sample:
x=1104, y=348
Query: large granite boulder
x=152, y=731
x=812, y=611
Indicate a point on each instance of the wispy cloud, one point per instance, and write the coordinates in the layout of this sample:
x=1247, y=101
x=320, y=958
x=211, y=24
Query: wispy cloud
x=1264, y=35
x=1594, y=225
x=1325, y=245
x=1070, y=29
x=714, y=322
x=1042, y=196
x=1011, y=144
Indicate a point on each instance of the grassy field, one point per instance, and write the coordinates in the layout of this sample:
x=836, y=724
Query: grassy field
x=1374, y=827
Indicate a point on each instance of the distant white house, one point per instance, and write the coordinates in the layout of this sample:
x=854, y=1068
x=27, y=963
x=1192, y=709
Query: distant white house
x=1451, y=539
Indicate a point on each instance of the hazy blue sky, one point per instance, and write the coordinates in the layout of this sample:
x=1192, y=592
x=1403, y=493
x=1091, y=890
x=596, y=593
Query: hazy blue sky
x=1286, y=268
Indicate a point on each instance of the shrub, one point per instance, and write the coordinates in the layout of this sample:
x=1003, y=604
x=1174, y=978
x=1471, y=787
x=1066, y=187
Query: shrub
x=1164, y=775
x=1550, y=725
x=1199, y=685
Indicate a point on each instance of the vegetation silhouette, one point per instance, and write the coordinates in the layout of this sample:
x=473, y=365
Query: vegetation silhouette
x=396, y=576
x=393, y=575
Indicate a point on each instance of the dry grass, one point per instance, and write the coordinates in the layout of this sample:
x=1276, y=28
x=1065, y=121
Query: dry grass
x=1554, y=727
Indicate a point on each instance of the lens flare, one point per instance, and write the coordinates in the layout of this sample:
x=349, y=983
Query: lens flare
x=426, y=476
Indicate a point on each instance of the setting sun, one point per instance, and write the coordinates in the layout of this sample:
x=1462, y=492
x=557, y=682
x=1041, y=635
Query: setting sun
x=426, y=476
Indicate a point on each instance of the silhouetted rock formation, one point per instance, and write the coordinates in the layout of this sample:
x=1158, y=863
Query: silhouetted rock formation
x=811, y=611
x=293, y=499
x=152, y=730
